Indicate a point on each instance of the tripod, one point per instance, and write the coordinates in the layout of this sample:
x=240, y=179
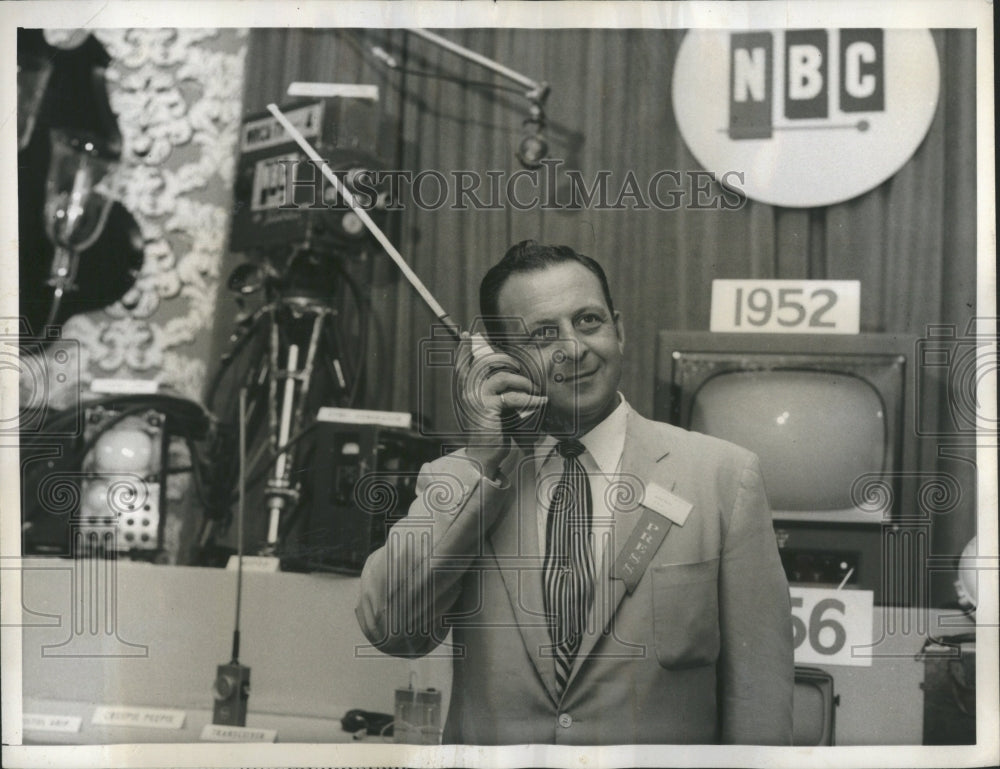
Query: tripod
x=294, y=384
x=289, y=354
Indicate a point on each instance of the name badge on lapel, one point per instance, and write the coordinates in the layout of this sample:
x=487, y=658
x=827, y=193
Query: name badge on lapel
x=661, y=510
x=666, y=503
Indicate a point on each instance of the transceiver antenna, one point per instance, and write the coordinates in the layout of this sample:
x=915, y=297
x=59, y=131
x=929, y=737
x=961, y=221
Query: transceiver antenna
x=380, y=236
x=232, y=681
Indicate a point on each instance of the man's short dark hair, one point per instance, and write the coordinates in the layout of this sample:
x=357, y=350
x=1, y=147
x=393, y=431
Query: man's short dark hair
x=529, y=256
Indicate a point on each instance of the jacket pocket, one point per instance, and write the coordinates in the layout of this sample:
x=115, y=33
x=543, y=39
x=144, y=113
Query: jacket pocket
x=686, y=614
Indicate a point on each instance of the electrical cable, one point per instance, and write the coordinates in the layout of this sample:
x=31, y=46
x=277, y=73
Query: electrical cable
x=229, y=359
x=171, y=407
x=197, y=480
x=274, y=457
x=158, y=401
x=364, y=309
x=484, y=84
x=293, y=515
x=390, y=63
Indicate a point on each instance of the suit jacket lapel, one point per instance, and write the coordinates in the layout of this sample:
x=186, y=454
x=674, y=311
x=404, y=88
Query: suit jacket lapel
x=516, y=548
x=644, y=460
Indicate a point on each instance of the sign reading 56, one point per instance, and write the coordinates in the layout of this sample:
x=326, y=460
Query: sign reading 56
x=786, y=306
x=827, y=625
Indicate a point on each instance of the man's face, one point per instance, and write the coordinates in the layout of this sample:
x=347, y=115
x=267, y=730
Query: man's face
x=579, y=341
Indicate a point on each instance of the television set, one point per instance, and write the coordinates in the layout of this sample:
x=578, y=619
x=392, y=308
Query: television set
x=814, y=707
x=829, y=416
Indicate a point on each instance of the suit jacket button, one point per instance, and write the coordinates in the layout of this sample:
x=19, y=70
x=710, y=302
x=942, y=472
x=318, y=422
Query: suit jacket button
x=565, y=720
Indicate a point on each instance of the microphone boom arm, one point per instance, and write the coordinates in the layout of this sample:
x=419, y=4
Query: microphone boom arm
x=537, y=91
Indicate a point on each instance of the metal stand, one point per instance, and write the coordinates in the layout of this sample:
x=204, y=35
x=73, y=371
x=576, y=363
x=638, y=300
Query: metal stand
x=293, y=368
x=293, y=384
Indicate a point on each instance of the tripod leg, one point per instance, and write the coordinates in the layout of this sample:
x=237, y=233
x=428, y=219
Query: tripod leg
x=340, y=377
x=279, y=485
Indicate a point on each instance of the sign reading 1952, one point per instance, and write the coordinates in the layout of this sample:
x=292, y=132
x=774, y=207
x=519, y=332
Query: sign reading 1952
x=786, y=306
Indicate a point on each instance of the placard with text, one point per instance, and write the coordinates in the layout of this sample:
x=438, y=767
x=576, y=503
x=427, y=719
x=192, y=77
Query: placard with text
x=786, y=306
x=827, y=624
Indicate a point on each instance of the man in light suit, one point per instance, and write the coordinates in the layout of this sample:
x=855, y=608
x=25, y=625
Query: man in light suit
x=608, y=579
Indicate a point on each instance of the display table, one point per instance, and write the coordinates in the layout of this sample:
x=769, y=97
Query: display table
x=302, y=729
x=134, y=634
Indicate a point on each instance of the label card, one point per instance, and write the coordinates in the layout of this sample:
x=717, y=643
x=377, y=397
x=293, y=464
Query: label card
x=331, y=90
x=220, y=733
x=666, y=503
x=267, y=564
x=267, y=132
x=401, y=419
x=786, y=306
x=828, y=624
x=156, y=718
x=125, y=386
x=45, y=722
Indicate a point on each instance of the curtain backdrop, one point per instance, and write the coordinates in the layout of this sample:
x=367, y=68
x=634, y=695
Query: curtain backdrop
x=176, y=98
x=911, y=241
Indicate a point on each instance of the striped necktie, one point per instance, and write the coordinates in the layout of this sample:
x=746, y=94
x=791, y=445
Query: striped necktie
x=568, y=572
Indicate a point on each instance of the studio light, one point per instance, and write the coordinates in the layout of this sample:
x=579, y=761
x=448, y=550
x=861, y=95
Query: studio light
x=77, y=203
x=122, y=481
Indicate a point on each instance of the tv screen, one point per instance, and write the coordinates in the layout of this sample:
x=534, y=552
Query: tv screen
x=825, y=414
x=815, y=432
x=832, y=419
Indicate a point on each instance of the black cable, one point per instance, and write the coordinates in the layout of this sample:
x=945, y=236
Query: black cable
x=171, y=407
x=365, y=51
x=294, y=512
x=229, y=358
x=459, y=80
x=274, y=457
x=196, y=420
x=293, y=515
x=377, y=329
x=196, y=474
x=350, y=369
x=363, y=306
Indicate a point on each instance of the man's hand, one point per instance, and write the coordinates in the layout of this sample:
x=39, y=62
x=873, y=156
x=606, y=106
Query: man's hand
x=491, y=385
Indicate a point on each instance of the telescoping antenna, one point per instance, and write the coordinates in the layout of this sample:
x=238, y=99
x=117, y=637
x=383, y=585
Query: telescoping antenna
x=232, y=680
x=373, y=228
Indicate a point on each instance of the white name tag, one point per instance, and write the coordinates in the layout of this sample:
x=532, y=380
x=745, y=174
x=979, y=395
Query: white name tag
x=219, y=733
x=44, y=722
x=827, y=624
x=786, y=306
x=155, y=718
x=263, y=563
x=399, y=419
x=666, y=503
x=330, y=90
x=125, y=386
